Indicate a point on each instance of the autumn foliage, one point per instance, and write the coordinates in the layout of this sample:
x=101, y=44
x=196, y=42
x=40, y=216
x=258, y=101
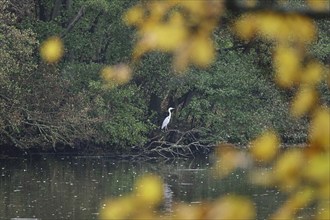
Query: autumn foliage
x=184, y=28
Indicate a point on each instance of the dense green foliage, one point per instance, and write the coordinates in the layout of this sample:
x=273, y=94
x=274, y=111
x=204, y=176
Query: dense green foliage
x=47, y=106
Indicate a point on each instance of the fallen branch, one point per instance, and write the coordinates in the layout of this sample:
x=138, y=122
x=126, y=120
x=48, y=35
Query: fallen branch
x=186, y=144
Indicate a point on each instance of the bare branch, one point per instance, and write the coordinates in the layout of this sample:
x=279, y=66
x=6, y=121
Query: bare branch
x=79, y=15
x=185, y=145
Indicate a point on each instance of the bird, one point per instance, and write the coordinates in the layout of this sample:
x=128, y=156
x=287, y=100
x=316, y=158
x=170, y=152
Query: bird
x=167, y=119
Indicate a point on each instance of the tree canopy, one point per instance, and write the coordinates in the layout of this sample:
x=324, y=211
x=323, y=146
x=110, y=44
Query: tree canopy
x=96, y=76
x=77, y=73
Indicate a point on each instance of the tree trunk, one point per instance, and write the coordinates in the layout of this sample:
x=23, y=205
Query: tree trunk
x=56, y=9
x=41, y=11
x=154, y=105
x=95, y=22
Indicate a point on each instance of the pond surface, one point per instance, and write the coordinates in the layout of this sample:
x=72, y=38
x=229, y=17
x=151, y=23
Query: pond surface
x=76, y=187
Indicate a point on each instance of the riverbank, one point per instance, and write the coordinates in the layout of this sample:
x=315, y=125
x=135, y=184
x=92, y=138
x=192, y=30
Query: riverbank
x=133, y=153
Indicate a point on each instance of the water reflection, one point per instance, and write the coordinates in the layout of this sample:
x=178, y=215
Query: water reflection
x=74, y=188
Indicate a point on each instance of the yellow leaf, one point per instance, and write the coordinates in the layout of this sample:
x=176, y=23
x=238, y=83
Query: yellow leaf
x=163, y=36
x=319, y=131
x=181, y=59
x=202, y=51
x=134, y=15
x=232, y=207
x=187, y=212
x=323, y=210
x=297, y=201
x=323, y=191
x=278, y=27
x=301, y=199
x=302, y=28
x=119, y=74
x=263, y=177
x=158, y=9
x=319, y=5
x=141, y=47
x=149, y=190
x=169, y=37
x=245, y=27
x=318, y=169
x=196, y=8
x=121, y=208
x=265, y=147
x=229, y=159
x=250, y=3
x=52, y=49
x=312, y=73
x=107, y=73
x=145, y=214
x=303, y=101
x=272, y=26
x=173, y=34
x=287, y=169
x=287, y=65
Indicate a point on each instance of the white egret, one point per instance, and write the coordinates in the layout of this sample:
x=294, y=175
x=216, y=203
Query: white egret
x=167, y=119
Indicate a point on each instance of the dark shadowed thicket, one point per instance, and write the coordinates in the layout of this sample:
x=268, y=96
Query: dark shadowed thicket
x=66, y=104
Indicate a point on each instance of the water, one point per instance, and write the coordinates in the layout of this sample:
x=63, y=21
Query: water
x=76, y=187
